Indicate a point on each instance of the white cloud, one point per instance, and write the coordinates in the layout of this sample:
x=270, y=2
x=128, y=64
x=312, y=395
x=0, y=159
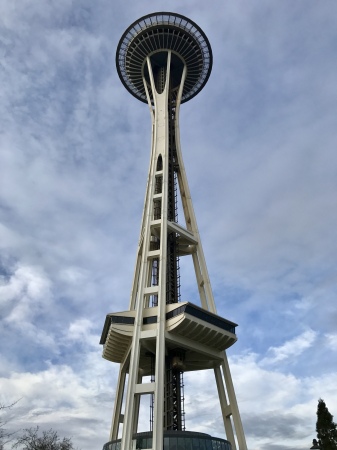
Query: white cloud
x=78, y=405
x=276, y=408
x=332, y=340
x=25, y=294
x=81, y=331
x=290, y=349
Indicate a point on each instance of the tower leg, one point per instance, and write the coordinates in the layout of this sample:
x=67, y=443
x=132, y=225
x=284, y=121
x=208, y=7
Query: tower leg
x=116, y=418
x=230, y=411
x=225, y=409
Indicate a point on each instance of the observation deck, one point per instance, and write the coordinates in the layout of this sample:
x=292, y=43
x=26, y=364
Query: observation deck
x=152, y=36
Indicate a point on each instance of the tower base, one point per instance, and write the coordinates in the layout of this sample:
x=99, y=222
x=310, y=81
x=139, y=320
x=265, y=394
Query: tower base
x=174, y=440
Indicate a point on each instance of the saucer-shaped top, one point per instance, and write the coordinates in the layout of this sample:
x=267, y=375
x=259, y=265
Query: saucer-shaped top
x=154, y=34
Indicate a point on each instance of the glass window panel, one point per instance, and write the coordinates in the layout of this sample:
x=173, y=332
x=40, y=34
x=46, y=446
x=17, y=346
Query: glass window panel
x=202, y=444
x=208, y=444
x=166, y=443
x=181, y=443
x=173, y=443
x=188, y=444
x=195, y=444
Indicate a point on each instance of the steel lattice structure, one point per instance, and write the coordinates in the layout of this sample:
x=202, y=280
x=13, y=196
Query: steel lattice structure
x=165, y=59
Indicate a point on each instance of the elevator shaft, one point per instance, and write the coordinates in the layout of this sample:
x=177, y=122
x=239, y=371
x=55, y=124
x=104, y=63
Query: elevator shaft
x=173, y=403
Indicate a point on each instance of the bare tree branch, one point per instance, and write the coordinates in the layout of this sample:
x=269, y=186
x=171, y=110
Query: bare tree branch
x=5, y=436
x=48, y=440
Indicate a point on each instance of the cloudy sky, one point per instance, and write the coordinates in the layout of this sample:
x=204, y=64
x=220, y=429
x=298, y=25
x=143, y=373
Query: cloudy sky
x=259, y=144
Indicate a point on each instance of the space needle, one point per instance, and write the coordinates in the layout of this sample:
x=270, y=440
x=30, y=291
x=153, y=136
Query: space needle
x=164, y=59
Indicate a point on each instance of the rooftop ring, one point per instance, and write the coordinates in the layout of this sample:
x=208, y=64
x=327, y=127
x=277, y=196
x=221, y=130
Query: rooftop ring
x=160, y=32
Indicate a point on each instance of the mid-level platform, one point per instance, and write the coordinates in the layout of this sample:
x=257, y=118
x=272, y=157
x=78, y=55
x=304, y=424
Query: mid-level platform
x=197, y=334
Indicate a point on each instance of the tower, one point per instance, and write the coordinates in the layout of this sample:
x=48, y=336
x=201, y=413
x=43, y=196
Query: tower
x=165, y=59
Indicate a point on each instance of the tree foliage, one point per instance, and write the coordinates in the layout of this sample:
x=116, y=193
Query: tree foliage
x=31, y=439
x=326, y=428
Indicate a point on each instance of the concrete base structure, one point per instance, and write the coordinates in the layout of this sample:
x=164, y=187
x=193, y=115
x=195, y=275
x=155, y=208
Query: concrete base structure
x=175, y=440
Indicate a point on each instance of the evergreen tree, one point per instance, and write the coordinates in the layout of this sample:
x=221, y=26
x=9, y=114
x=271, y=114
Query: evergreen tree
x=325, y=428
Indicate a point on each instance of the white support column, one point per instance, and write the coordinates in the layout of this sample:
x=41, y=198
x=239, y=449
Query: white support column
x=240, y=435
x=203, y=281
x=137, y=302
x=225, y=408
x=161, y=143
x=116, y=417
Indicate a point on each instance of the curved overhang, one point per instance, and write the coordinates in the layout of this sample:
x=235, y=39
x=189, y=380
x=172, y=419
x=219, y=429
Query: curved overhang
x=201, y=335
